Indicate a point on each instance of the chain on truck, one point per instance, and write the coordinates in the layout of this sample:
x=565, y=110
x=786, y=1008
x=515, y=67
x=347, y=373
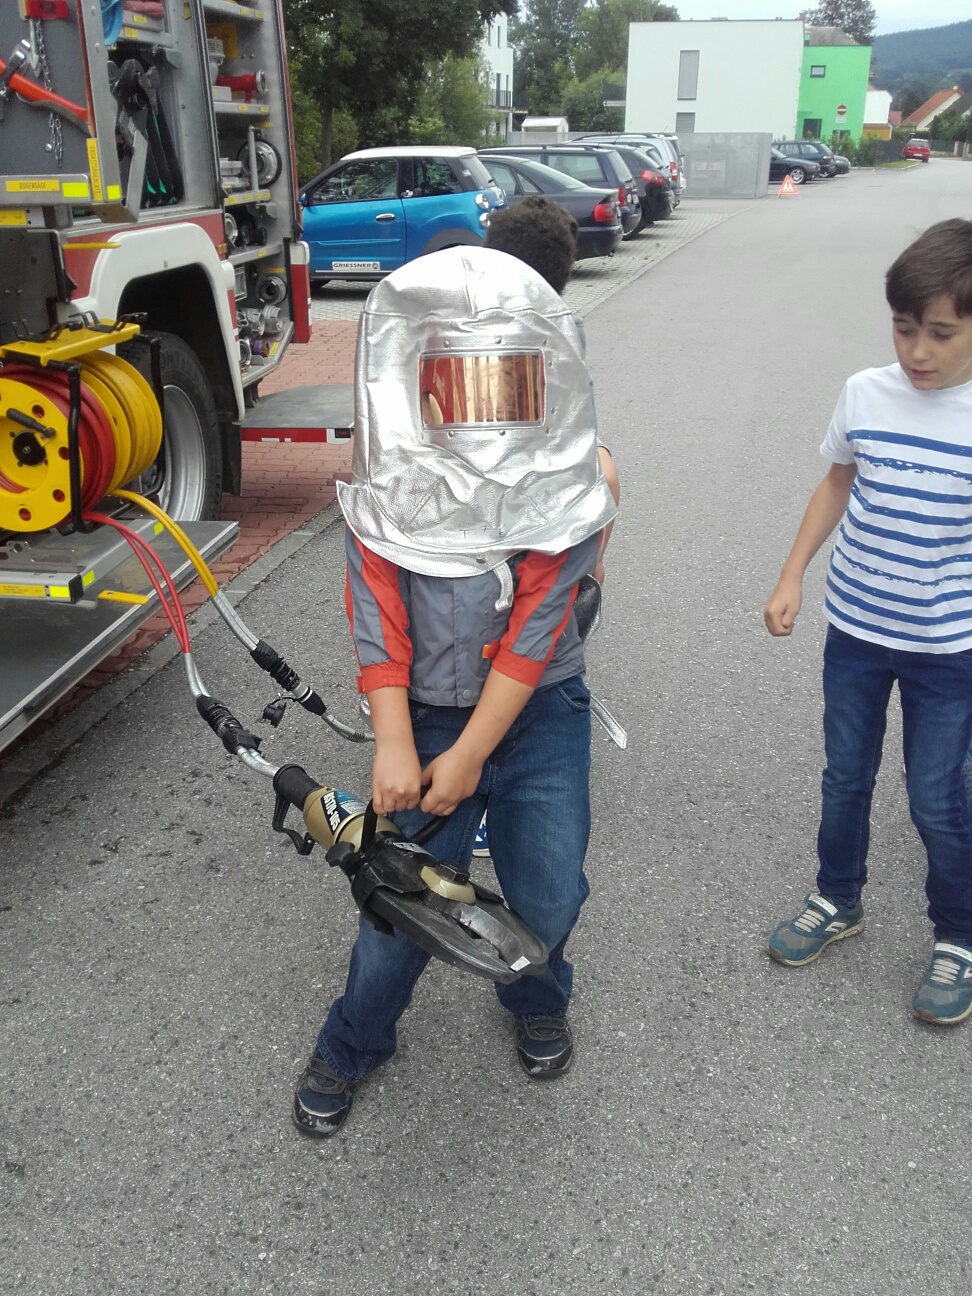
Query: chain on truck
x=150, y=238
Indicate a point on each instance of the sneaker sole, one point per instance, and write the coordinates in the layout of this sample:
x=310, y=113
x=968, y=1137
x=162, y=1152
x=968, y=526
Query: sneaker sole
x=801, y=962
x=547, y=1073
x=923, y=1014
x=481, y=853
x=316, y=1126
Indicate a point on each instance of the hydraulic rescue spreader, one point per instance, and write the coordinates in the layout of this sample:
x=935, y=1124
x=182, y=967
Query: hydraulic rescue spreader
x=76, y=422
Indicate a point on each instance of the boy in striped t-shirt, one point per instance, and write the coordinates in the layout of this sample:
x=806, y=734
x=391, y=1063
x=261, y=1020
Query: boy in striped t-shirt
x=899, y=603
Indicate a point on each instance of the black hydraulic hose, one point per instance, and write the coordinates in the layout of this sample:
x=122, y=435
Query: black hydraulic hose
x=282, y=673
x=231, y=733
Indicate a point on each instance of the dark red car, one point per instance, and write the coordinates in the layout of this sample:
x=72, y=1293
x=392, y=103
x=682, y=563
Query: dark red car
x=917, y=148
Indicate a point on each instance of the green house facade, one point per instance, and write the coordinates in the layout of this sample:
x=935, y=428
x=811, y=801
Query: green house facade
x=833, y=85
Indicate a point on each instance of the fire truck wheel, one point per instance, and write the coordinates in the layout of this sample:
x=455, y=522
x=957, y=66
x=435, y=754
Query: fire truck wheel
x=186, y=478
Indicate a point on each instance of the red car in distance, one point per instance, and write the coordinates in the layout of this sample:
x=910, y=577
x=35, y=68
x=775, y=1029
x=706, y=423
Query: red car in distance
x=917, y=148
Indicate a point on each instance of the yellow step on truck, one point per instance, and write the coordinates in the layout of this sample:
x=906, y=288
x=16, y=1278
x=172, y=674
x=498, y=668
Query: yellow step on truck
x=151, y=274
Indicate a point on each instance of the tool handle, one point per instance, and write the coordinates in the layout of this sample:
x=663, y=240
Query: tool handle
x=38, y=94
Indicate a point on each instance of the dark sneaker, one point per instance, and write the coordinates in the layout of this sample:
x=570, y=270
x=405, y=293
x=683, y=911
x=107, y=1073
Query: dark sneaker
x=322, y=1101
x=545, y=1047
x=818, y=924
x=481, y=844
x=945, y=994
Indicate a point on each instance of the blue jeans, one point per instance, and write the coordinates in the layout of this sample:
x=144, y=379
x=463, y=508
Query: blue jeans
x=936, y=706
x=536, y=787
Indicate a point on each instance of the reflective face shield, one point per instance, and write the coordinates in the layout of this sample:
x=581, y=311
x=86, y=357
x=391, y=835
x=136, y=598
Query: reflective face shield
x=482, y=391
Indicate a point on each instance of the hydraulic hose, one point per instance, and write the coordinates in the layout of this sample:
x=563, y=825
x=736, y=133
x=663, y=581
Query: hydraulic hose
x=265, y=656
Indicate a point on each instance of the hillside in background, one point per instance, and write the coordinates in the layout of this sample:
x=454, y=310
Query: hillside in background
x=914, y=64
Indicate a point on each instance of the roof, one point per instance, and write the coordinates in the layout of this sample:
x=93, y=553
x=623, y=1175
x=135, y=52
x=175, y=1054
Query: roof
x=828, y=36
x=931, y=106
x=413, y=150
x=894, y=117
x=961, y=106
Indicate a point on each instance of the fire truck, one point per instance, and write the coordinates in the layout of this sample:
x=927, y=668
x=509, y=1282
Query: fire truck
x=151, y=274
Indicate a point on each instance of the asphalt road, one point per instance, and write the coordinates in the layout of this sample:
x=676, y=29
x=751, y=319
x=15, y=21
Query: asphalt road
x=729, y=1126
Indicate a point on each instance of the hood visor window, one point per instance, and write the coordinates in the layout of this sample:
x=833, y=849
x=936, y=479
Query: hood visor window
x=482, y=390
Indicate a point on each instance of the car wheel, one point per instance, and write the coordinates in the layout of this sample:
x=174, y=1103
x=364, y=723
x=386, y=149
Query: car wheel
x=924, y=159
x=186, y=477
x=798, y=175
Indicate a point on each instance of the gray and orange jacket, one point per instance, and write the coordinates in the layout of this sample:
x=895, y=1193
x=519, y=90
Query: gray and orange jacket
x=438, y=637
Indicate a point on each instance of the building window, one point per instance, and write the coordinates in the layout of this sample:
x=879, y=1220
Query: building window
x=818, y=70
x=688, y=74
x=685, y=123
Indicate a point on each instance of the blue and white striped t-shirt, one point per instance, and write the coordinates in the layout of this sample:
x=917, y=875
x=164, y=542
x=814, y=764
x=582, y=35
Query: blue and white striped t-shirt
x=901, y=570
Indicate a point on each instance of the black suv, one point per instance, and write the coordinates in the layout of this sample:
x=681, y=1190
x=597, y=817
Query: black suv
x=654, y=183
x=814, y=150
x=591, y=164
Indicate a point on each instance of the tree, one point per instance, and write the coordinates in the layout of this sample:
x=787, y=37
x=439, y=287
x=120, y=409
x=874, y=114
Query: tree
x=368, y=56
x=602, y=32
x=583, y=104
x=855, y=17
x=451, y=106
x=545, y=39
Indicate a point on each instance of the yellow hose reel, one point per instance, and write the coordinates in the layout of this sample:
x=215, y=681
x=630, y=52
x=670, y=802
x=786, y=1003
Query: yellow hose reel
x=120, y=433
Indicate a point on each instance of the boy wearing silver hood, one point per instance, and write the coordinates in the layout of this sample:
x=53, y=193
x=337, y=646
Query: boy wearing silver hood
x=477, y=504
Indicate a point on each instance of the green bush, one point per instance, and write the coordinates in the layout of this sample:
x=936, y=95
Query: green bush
x=868, y=153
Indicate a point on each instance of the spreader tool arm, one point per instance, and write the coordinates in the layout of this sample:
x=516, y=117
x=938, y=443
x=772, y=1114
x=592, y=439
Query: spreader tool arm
x=398, y=885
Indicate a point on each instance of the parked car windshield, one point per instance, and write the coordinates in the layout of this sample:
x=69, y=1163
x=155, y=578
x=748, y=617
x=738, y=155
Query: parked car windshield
x=620, y=166
x=433, y=178
x=473, y=167
x=542, y=175
x=584, y=167
x=358, y=181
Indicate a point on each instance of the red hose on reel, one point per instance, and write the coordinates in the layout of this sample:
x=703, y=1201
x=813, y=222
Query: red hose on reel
x=95, y=437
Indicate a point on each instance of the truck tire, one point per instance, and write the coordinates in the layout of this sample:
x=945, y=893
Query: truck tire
x=186, y=478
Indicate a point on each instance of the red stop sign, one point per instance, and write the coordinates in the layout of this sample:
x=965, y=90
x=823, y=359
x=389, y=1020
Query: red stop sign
x=841, y=110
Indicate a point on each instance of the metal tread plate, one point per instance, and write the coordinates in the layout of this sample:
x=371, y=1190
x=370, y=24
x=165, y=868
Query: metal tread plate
x=46, y=647
x=319, y=412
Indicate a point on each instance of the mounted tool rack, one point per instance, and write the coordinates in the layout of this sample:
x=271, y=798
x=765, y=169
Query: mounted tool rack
x=146, y=173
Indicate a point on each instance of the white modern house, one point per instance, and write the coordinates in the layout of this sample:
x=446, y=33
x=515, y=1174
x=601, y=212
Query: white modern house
x=497, y=55
x=716, y=76
x=877, y=113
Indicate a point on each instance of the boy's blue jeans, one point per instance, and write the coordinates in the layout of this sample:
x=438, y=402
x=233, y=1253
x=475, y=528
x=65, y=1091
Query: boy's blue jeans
x=936, y=706
x=536, y=785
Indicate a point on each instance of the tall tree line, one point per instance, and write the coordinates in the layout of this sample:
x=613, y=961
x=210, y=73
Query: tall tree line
x=361, y=66
x=566, y=49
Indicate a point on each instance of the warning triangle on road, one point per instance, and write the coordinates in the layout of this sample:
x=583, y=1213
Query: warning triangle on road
x=787, y=188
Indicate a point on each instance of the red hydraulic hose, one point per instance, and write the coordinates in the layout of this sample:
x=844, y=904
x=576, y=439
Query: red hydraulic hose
x=146, y=555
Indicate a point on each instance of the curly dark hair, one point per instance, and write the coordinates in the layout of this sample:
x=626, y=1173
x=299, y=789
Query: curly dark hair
x=937, y=264
x=539, y=232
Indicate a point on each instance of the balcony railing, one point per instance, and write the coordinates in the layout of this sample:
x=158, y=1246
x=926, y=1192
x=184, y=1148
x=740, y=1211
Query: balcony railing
x=500, y=98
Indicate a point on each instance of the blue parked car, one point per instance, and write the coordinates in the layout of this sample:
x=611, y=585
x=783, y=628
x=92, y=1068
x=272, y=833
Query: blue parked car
x=378, y=208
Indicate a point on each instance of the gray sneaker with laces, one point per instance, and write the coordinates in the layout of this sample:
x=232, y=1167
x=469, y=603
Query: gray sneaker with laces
x=818, y=924
x=945, y=994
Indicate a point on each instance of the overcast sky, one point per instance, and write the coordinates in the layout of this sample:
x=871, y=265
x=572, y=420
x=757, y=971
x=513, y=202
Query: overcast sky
x=893, y=15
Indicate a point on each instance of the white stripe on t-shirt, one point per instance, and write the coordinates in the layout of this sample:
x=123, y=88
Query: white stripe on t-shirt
x=901, y=568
